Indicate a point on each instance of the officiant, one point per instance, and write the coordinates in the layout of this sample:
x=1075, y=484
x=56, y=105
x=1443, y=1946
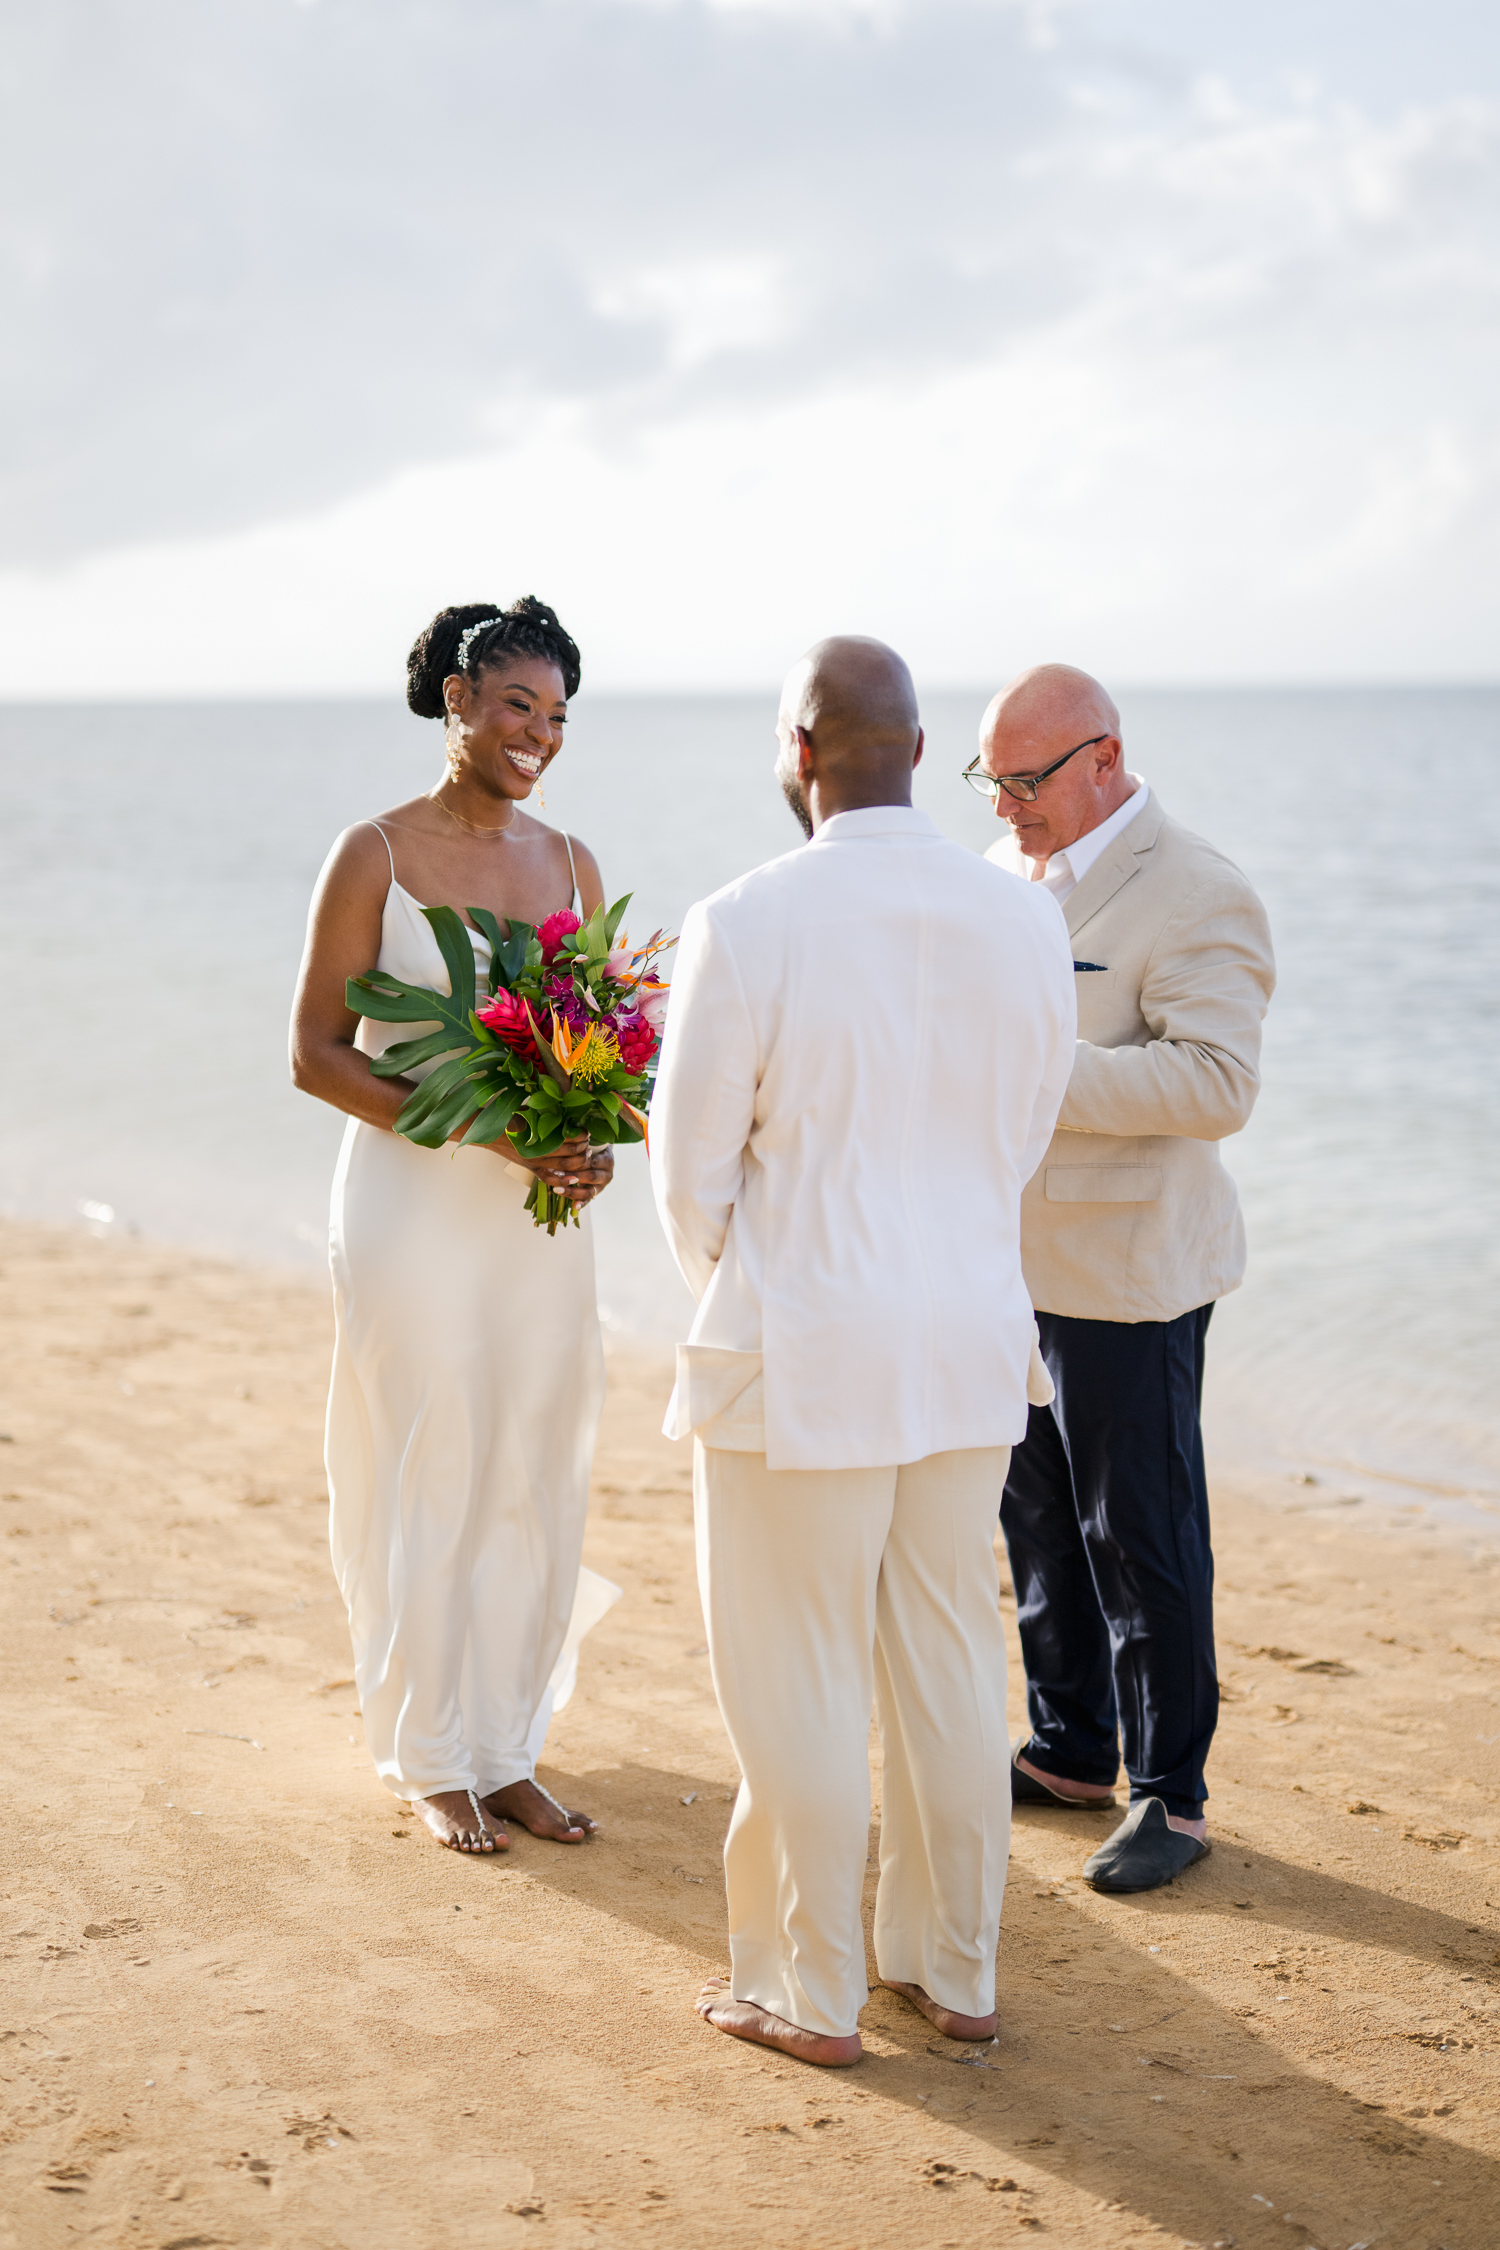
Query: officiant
x=1130, y=1232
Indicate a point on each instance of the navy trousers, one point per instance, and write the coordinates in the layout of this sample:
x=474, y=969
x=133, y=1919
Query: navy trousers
x=1105, y=1517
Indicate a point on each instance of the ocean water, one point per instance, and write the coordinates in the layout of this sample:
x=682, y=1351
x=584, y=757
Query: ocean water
x=157, y=862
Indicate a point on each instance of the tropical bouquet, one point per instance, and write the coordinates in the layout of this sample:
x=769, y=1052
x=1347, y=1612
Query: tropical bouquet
x=562, y=1042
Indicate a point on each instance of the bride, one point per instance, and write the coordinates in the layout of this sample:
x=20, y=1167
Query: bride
x=468, y=1372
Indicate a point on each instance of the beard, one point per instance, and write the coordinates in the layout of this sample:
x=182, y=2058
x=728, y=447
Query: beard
x=791, y=789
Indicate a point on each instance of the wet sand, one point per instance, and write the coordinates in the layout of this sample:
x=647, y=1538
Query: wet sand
x=247, y=2002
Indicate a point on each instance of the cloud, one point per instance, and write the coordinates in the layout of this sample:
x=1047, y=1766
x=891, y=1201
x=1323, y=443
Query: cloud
x=276, y=251
x=266, y=255
x=1157, y=336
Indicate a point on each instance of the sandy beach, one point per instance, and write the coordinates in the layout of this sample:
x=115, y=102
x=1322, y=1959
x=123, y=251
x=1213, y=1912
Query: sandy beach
x=247, y=2001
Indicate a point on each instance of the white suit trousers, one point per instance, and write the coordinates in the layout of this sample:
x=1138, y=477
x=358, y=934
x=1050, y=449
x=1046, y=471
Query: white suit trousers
x=825, y=1589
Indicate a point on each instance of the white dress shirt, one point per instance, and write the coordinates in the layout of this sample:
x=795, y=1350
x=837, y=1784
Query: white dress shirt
x=1067, y=868
x=866, y=1048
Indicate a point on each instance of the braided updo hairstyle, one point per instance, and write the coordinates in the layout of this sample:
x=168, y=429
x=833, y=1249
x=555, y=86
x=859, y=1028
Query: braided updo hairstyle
x=527, y=628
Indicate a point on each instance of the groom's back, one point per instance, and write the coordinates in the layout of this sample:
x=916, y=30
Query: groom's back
x=882, y=1028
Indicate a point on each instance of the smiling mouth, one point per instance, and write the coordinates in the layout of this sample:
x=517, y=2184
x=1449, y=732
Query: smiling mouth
x=525, y=761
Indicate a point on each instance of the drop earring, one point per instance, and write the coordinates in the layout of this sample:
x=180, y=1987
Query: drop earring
x=541, y=800
x=453, y=734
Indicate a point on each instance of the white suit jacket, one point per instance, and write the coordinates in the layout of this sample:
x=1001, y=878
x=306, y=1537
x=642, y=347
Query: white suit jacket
x=866, y=1048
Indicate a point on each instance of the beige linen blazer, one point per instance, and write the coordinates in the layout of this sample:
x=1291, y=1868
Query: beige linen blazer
x=1131, y=1214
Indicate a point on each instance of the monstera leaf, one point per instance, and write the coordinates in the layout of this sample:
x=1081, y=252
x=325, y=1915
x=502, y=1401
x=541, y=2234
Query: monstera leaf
x=388, y=1000
x=475, y=1077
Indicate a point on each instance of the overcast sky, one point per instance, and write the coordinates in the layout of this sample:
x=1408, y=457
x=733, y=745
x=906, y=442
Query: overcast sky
x=1160, y=335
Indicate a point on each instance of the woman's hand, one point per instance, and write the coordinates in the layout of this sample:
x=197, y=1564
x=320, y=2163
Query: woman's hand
x=575, y=1170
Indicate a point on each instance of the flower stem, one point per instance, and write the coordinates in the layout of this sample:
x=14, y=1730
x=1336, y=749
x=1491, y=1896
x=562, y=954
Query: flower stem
x=550, y=1208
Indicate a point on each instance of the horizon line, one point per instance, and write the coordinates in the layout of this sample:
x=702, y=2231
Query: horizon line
x=1322, y=685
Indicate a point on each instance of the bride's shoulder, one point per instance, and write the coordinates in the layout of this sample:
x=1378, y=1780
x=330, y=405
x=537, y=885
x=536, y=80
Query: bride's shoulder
x=527, y=828
x=572, y=842
x=415, y=812
x=369, y=837
x=361, y=853
x=584, y=865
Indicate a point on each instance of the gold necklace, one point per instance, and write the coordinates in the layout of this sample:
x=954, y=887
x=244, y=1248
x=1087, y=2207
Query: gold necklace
x=471, y=827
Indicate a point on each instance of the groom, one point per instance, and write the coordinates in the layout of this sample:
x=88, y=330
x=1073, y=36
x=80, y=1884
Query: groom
x=867, y=1046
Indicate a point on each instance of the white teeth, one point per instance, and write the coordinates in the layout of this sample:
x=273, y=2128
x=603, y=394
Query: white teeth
x=531, y=767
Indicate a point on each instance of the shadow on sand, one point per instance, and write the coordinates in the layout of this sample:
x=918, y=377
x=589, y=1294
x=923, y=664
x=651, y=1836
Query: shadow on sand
x=1120, y=2077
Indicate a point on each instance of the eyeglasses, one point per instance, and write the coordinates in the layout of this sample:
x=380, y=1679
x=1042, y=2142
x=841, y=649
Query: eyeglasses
x=1021, y=785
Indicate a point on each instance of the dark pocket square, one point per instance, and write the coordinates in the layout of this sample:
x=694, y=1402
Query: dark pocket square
x=1098, y=966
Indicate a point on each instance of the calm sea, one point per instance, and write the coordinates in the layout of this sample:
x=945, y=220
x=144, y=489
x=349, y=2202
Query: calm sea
x=157, y=864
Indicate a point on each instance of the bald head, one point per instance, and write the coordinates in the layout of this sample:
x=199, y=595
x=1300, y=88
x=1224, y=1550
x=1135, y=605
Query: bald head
x=855, y=695
x=848, y=729
x=1048, y=700
x=1058, y=729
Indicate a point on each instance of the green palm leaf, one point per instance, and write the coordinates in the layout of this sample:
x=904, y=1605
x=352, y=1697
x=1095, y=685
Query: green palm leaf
x=507, y=954
x=493, y=1120
x=408, y=1054
x=433, y=1093
x=388, y=1000
x=457, y=949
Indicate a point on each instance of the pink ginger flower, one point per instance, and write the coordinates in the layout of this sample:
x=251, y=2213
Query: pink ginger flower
x=506, y=1018
x=551, y=933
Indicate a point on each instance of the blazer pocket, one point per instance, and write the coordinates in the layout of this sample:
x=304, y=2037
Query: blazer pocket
x=1103, y=1183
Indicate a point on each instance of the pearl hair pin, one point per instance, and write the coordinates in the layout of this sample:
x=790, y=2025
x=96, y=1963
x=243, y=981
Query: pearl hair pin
x=472, y=633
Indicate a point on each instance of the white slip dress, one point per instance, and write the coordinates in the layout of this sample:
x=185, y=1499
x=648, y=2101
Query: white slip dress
x=468, y=1378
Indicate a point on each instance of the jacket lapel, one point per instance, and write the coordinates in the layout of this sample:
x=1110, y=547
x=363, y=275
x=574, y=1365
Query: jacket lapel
x=1113, y=868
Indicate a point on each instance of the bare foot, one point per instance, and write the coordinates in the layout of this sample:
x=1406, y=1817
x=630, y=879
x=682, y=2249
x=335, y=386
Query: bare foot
x=742, y=2019
x=453, y=1819
x=950, y=2025
x=531, y=1808
x=1071, y=1792
x=1194, y=1828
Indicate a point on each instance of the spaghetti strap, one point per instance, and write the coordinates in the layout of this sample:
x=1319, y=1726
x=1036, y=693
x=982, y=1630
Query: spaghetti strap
x=390, y=855
x=572, y=870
